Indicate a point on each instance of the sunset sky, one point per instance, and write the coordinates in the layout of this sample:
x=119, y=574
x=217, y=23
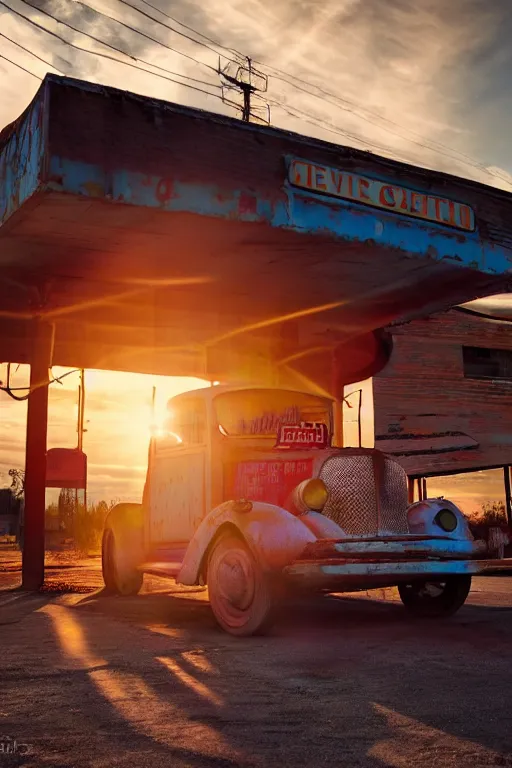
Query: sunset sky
x=427, y=82
x=118, y=422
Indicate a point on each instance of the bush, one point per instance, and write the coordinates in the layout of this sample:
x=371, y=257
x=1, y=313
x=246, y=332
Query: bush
x=84, y=526
x=491, y=513
x=87, y=526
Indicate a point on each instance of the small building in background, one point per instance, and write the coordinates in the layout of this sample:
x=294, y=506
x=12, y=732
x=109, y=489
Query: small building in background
x=443, y=407
x=10, y=510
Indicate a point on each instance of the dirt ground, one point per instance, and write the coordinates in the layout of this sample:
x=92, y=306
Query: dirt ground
x=88, y=680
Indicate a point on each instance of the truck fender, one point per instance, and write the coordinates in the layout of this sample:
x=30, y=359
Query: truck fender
x=421, y=519
x=275, y=537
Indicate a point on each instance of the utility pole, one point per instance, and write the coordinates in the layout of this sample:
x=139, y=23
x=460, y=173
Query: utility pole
x=80, y=426
x=249, y=82
x=35, y=462
x=81, y=410
x=247, y=90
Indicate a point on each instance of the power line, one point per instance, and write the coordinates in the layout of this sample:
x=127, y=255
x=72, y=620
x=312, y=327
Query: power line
x=349, y=106
x=327, y=96
x=247, y=88
x=190, y=29
x=65, y=23
x=131, y=29
x=20, y=67
x=333, y=128
x=342, y=103
x=167, y=26
x=20, y=398
x=109, y=45
x=107, y=56
x=32, y=53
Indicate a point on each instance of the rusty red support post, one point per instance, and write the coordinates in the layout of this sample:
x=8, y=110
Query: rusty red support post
x=35, y=462
x=508, y=494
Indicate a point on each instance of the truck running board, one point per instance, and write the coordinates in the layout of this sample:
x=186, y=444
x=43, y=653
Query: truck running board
x=164, y=562
x=167, y=570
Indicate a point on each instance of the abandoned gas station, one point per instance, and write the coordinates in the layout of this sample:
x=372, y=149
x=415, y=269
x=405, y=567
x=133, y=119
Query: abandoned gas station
x=138, y=235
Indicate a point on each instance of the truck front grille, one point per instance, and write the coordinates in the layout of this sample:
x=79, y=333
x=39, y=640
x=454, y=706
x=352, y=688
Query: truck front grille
x=367, y=493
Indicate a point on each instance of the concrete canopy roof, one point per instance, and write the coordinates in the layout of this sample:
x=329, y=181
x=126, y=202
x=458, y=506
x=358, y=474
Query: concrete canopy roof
x=164, y=239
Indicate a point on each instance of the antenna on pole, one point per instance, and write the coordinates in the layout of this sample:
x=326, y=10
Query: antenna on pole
x=249, y=82
x=153, y=407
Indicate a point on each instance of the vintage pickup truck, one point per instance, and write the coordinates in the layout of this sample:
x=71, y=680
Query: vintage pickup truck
x=245, y=493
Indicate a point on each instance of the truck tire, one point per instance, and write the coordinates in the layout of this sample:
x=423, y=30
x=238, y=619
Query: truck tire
x=120, y=577
x=241, y=595
x=436, y=599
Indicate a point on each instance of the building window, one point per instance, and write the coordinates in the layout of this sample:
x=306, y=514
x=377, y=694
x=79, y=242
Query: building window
x=480, y=494
x=358, y=415
x=483, y=363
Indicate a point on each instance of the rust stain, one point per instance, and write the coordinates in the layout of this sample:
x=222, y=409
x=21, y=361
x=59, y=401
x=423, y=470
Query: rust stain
x=164, y=190
x=247, y=203
x=93, y=189
x=57, y=180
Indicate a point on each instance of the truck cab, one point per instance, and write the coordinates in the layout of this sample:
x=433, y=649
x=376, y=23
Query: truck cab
x=247, y=492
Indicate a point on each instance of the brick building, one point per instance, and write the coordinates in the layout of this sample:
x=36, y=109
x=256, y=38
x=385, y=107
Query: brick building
x=443, y=407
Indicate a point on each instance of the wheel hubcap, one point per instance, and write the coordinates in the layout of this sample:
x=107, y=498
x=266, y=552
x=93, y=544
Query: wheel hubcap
x=235, y=581
x=432, y=589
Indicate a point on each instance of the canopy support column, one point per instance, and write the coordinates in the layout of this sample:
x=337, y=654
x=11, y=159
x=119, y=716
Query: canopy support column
x=35, y=462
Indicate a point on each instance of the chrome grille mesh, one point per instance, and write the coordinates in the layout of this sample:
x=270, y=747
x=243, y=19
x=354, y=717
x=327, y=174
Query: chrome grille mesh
x=393, y=499
x=353, y=502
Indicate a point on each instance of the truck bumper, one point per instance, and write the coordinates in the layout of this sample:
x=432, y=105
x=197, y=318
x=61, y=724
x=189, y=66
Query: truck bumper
x=333, y=575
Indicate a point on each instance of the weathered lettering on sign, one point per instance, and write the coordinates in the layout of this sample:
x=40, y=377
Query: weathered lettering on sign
x=269, y=423
x=270, y=481
x=380, y=194
x=304, y=435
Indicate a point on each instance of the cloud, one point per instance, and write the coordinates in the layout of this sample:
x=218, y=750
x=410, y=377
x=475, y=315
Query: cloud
x=403, y=74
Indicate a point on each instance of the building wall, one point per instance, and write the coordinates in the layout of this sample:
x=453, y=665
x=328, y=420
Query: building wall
x=427, y=413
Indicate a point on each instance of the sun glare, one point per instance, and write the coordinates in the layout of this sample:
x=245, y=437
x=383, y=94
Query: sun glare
x=119, y=421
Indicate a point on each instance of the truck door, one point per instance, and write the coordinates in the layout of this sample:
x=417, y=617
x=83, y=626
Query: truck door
x=177, y=482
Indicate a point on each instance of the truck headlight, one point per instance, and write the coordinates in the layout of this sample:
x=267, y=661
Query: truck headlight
x=447, y=520
x=311, y=494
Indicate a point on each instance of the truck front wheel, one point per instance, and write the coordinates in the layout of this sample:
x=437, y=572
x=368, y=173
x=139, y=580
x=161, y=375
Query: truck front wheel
x=240, y=592
x=435, y=598
x=119, y=577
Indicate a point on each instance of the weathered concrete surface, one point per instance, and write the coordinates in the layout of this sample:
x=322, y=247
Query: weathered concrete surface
x=150, y=681
x=65, y=570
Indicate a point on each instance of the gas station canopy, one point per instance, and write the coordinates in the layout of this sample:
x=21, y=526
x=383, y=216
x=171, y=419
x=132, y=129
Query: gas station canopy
x=164, y=239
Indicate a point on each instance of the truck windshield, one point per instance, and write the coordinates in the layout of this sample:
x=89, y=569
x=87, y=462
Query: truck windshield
x=261, y=412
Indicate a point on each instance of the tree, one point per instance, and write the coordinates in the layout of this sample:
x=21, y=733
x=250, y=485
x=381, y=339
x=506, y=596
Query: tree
x=17, y=482
x=491, y=513
x=67, y=508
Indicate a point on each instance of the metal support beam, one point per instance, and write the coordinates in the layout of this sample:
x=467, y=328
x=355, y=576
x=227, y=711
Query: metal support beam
x=508, y=496
x=35, y=462
x=410, y=490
